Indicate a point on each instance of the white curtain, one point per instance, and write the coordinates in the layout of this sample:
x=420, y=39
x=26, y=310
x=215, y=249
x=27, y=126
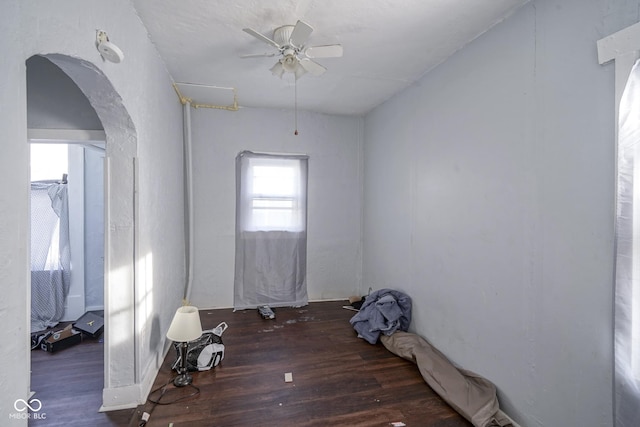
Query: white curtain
x=627, y=280
x=50, y=253
x=271, y=230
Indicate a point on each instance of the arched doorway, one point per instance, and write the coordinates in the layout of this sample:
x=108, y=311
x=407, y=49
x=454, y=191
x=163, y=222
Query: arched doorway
x=120, y=370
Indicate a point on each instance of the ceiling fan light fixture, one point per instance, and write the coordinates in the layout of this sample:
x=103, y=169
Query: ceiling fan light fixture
x=277, y=69
x=290, y=63
x=296, y=56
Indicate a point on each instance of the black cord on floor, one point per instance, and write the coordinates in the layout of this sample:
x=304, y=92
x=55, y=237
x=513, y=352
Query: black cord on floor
x=163, y=389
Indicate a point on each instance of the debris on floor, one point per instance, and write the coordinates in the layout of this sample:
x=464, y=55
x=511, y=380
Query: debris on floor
x=91, y=324
x=266, y=312
x=355, y=303
x=59, y=340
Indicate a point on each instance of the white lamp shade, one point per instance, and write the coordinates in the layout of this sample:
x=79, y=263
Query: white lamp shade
x=185, y=325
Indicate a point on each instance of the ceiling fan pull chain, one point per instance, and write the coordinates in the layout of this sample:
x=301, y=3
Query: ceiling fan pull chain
x=295, y=104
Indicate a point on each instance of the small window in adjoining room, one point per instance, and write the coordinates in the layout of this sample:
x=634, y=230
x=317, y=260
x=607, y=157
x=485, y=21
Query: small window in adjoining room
x=50, y=238
x=49, y=161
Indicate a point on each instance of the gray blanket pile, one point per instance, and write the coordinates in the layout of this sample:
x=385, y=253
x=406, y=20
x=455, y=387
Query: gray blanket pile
x=383, y=312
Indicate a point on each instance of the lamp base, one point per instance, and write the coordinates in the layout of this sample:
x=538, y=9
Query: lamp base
x=182, y=379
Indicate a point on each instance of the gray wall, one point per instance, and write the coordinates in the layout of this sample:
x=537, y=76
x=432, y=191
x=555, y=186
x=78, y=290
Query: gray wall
x=54, y=101
x=333, y=144
x=489, y=198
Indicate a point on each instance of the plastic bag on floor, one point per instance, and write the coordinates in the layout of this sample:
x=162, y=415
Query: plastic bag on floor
x=205, y=352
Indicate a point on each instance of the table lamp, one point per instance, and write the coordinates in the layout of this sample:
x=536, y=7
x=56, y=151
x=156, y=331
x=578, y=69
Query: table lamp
x=184, y=327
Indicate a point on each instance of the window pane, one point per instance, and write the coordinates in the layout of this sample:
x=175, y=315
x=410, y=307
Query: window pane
x=273, y=194
x=270, y=219
x=272, y=204
x=273, y=180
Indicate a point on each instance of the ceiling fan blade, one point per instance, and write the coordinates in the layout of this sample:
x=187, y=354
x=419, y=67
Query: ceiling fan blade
x=300, y=34
x=312, y=67
x=327, y=51
x=261, y=37
x=257, y=55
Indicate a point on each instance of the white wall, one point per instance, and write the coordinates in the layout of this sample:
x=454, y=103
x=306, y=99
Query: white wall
x=489, y=198
x=333, y=144
x=142, y=119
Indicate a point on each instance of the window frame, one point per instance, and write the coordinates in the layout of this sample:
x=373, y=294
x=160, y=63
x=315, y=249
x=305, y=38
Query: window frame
x=248, y=197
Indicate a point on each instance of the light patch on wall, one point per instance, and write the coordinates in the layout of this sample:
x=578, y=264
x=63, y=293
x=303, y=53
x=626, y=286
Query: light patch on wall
x=145, y=292
x=120, y=310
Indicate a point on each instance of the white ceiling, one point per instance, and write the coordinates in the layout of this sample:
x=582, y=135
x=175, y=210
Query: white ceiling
x=388, y=45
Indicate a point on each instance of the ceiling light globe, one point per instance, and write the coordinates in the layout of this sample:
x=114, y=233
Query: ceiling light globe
x=290, y=63
x=277, y=69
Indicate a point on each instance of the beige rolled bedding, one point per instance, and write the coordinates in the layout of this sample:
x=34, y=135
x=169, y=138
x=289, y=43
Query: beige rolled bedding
x=473, y=396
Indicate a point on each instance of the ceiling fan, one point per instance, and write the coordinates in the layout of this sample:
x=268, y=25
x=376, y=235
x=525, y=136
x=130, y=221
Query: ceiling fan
x=290, y=42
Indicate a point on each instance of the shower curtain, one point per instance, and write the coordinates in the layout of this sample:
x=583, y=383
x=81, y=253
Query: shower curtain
x=627, y=279
x=50, y=253
x=271, y=231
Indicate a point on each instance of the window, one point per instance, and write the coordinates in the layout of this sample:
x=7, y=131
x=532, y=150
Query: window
x=274, y=194
x=623, y=48
x=49, y=161
x=627, y=228
x=271, y=237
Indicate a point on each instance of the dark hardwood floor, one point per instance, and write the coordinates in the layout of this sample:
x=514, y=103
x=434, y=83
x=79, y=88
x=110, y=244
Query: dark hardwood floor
x=69, y=385
x=338, y=379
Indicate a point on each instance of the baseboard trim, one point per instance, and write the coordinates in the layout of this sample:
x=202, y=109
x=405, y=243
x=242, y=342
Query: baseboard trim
x=117, y=407
x=117, y=398
x=311, y=300
x=114, y=399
